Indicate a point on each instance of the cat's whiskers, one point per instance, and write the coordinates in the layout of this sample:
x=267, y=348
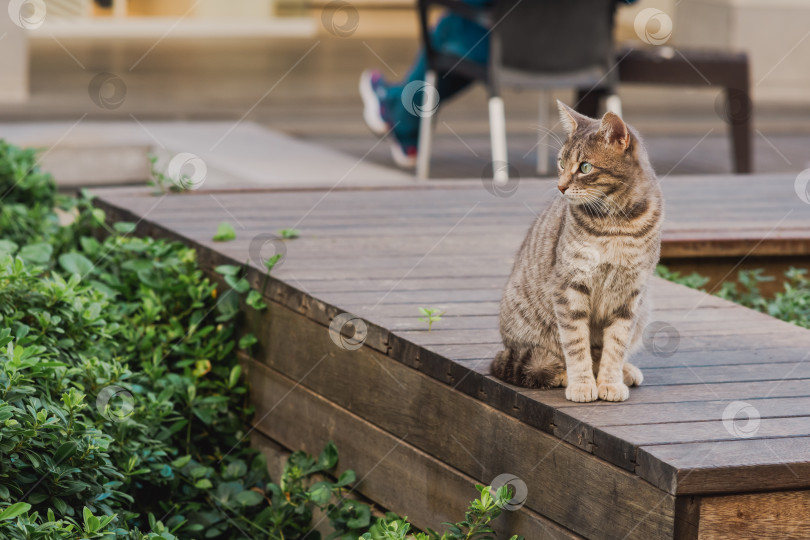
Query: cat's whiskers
x=608, y=204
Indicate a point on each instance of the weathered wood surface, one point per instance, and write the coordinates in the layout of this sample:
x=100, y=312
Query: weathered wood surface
x=764, y=516
x=382, y=253
x=390, y=469
x=592, y=497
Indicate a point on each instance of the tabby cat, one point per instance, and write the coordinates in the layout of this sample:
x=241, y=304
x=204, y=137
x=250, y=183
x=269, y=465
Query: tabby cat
x=576, y=303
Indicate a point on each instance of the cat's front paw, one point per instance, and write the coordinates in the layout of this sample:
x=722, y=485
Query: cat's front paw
x=581, y=392
x=632, y=375
x=613, y=391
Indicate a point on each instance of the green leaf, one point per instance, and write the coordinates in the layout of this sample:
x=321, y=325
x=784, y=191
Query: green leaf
x=233, y=378
x=65, y=451
x=7, y=247
x=320, y=493
x=75, y=263
x=270, y=263
x=289, y=234
x=124, y=227
x=39, y=253
x=255, y=300
x=227, y=269
x=181, y=462
x=14, y=510
x=247, y=340
x=99, y=215
x=363, y=517
x=346, y=478
x=240, y=285
x=228, y=306
x=225, y=232
x=328, y=458
x=236, y=469
x=205, y=483
x=249, y=498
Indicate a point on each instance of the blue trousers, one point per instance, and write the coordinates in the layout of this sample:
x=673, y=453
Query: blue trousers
x=454, y=35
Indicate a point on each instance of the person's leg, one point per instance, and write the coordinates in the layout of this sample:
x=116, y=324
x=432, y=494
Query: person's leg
x=452, y=35
x=385, y=108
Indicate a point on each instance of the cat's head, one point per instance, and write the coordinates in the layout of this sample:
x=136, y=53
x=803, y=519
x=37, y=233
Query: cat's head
x=602, y=160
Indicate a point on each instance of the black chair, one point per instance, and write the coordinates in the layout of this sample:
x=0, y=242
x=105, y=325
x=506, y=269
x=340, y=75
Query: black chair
x=534, y=44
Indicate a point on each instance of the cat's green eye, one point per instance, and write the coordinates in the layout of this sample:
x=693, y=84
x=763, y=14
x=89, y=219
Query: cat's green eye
x=560, y=163
x=585, y=167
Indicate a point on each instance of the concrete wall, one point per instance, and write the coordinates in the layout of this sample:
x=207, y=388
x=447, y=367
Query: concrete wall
x=13, y=60
x=775, y=33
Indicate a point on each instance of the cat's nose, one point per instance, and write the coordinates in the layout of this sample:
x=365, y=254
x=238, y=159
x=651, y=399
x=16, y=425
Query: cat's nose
x=562, y=189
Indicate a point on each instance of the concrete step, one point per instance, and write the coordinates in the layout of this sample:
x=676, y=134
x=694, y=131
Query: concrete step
x=235, y=154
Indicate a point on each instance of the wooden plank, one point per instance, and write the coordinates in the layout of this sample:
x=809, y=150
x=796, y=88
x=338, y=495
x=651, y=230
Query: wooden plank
x=760, y=464
x=359, y=256
x=618, y=444
x=764, y=516
x=629, y=413
x=390, y=469
x=725, y=354
x=405, y=402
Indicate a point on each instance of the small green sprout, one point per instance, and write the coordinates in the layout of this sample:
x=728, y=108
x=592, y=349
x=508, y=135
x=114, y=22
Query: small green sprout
x=431, y=316
x=270, y=264
x=289, y=234
x=225, y=232
x=159, y=180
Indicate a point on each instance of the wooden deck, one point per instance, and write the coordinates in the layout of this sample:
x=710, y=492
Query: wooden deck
x=715, y=444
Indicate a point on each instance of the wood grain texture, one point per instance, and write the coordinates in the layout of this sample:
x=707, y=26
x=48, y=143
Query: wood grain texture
x=383, y=253
x=588, y=496
x=764, y=516
x=389, y=469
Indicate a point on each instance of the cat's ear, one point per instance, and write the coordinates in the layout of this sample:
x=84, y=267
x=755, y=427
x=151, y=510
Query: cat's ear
x=615, y=131
x=570, y=118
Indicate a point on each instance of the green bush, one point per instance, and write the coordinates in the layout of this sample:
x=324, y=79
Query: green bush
x=122, y=406
x=791, y=304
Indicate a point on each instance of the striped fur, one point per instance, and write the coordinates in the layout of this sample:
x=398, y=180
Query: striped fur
x=576, y=303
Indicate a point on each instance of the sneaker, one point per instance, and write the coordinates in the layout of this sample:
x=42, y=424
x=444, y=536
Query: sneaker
x=404, y=154
x=372, y=92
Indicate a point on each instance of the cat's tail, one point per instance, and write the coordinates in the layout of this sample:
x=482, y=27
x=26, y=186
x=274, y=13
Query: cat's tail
x=519, y=367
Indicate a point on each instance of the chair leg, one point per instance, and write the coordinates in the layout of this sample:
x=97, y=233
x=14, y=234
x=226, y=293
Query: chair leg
x=543, y=139
x=740, y=130
x=614, y=104
x=426, y=129
x=497, y=133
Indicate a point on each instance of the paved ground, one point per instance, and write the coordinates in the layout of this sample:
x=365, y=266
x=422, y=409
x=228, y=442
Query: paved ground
x=307, y=88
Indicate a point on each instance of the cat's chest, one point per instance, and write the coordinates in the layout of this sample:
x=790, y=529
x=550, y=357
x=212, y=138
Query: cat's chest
x=600, y=258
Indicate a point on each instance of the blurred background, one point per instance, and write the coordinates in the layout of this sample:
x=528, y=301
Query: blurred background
x=259, y=87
